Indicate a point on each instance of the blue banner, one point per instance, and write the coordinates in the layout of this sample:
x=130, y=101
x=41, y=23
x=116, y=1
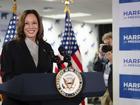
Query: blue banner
x=129, y=38
x=128, y=1
x=130, y=86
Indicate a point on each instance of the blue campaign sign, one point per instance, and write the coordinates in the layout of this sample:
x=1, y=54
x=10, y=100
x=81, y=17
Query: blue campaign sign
x=130, y=86
x=128, y=1
x=129, y=38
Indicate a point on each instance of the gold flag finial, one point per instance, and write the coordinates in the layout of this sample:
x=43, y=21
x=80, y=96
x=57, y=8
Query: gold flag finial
x=67, y=3
x=14, y=7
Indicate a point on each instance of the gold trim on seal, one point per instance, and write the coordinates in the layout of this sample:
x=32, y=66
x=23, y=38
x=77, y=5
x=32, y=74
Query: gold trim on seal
x=69, y=82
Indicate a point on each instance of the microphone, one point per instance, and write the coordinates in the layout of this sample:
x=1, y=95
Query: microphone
x=54, y=58
x=61, y=50
x=58, y=61
x=67, y=57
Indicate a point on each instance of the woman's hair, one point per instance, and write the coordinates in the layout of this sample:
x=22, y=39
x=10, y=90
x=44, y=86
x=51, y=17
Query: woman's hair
x=21, y=23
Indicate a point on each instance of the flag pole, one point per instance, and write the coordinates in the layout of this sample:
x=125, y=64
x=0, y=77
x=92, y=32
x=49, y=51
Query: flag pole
x=14, y=7
x=67, y=3
x=68, y=40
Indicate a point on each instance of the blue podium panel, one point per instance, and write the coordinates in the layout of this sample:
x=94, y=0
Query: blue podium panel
x=39, y=87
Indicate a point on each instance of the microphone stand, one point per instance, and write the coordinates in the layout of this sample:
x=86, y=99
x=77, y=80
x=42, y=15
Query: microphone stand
x=67, y=58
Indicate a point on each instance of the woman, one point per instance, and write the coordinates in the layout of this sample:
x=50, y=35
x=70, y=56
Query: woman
x=28, y=53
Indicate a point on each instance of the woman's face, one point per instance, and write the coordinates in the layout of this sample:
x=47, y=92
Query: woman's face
x=31, y=26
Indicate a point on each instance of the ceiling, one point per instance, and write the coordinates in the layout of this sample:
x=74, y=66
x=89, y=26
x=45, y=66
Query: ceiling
x=98, y=9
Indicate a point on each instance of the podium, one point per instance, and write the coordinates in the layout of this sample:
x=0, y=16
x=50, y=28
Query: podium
x=42, y=87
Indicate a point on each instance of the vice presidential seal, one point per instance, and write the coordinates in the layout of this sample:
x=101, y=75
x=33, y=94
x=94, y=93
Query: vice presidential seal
x=69, y=82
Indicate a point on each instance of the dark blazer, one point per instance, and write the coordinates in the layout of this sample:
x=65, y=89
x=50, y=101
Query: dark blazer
x=16, y=59
x=110, y=83
x=99, y=64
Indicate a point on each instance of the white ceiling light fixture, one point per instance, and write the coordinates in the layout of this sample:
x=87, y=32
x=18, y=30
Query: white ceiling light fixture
x=62, y=16
x=100, y=21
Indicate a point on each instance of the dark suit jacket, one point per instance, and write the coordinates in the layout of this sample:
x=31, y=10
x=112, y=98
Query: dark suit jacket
x=99, y=64
x=110, y=84
x=16, y=59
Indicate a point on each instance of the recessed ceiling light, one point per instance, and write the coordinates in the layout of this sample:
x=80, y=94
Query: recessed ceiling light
x=62, y=16
x=100, y=21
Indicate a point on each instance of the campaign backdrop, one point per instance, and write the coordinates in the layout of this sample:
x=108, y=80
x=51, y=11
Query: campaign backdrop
x=126, y=52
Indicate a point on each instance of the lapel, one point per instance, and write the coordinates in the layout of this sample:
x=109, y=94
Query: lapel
x=40, y=53
x=28, y=55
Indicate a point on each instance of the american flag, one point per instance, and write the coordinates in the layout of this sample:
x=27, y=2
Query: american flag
x=11, y=31
x=70, y=44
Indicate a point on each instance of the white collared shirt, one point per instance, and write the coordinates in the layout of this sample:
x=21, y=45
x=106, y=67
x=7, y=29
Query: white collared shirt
x=106, y=73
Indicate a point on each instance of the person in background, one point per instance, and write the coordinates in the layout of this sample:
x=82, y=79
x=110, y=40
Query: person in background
x=103, y=63
x=107, y=38
x=27, y=53
x=110, y=81
x=106, y=99
x=100, y=60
